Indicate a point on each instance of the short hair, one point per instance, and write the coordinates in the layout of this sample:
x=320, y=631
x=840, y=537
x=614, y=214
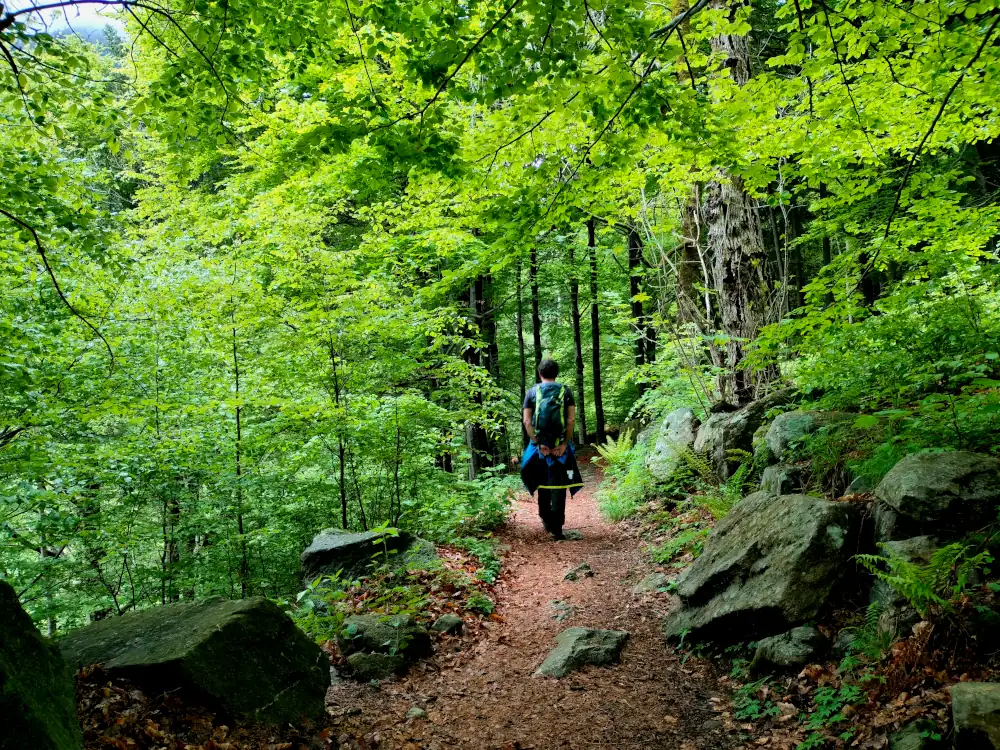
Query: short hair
x=548, y=368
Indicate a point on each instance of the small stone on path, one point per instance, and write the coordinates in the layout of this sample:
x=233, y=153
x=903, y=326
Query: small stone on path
x=583, y=570
x=572, y=535
x=416, y=713
x=448, y=624
x=579, y=647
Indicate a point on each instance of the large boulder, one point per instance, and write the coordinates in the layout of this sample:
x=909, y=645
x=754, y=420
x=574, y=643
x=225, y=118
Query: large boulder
x=675, y=434
x=975, y=711
x=767, y=566
x=37, y=695
x=355, y=554
x=938, y=492
x=244, y=658
x=725, y=432
x=578, y=647
x=788, y=428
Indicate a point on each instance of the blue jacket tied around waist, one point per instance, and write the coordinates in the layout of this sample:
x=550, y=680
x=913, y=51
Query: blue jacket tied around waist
x=549, y=472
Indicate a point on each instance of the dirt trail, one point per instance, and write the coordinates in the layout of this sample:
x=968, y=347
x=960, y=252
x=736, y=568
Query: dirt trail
x=481, y=694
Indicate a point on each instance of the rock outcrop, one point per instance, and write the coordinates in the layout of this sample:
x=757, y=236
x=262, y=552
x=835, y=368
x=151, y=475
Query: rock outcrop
x=37, y=695
x=354, y=554
x=975, y=712
x=796, y=648
x=783, y=479
x=767, y=566
x=578, y=647
x=733, y=431
x=788, y=428
x=245, y=658
x=937, y=493
x=673, y=436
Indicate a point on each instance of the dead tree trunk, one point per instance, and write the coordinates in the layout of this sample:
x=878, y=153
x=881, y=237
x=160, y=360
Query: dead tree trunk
x=741, y=265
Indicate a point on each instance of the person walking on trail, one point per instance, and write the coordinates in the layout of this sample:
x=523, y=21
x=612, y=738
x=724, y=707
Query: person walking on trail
x=548, y=465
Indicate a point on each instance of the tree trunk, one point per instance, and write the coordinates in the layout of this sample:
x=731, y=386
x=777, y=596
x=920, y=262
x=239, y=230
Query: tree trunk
x=536, y=320
x=741, y=265
x=520, y=350
x=244, y=565
x=342, y=478
x=481, y=451
x=595, y=335
x=574, y=295
x=635, y=288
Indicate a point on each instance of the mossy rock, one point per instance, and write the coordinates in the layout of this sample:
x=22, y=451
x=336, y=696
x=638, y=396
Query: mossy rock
x=578, y=647
x=355, y=554
x=37, y=695
x=395, y=634
x=244, y=658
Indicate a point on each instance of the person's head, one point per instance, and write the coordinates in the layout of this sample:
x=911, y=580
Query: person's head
x=548, y=369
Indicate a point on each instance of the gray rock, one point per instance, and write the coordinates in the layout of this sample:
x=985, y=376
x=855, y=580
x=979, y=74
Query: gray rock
x=915, y=736
x=796, y=648
x=729, y=431
x=245, y=658
x=394, y=634
x=675, y=434
x=37, y=694
x=792, y=426
x=766, y=567
x=583, y=570
x=843, y=642
x=651, y=584
x=355, y=554
x=897, y=615
x=449, y=624
x=956, y=491
x=975, y=712
x=365, y=666
x=783, y=479
x=579, y=647
x=416, y=713
x=859, y=486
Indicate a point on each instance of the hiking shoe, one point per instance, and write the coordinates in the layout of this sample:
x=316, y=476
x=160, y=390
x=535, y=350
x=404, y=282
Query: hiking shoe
x=558, y=536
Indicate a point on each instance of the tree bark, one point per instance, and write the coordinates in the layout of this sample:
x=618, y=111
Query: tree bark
x=481, y=449
x=536, y=320
x=742, y=271
x=520, y=349
x=244, y=565
x=635, y=287
x=595, y=335
x=574, y=295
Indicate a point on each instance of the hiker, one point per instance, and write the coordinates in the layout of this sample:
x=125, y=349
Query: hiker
x=549, y=462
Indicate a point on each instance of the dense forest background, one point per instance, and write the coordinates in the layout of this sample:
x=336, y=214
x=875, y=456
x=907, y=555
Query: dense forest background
x=273, y=267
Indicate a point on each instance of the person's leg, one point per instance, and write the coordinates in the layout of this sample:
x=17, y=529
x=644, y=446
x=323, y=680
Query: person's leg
x=544, y=507
x=557, y=510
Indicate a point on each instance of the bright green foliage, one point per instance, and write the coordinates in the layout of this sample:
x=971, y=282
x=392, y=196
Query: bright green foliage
x=935, y=584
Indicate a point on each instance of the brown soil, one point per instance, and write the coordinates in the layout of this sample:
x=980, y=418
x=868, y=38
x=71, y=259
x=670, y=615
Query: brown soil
x=481, y=694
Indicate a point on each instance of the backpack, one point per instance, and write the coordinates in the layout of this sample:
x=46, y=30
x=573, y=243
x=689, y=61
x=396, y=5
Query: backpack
x=547, y=419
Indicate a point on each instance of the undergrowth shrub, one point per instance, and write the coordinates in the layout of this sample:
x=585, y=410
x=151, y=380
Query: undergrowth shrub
x=938, y=583
x=627, y=483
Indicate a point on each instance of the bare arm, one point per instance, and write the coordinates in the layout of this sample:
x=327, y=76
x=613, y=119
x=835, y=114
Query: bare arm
x=570, y=422
x=527, y=421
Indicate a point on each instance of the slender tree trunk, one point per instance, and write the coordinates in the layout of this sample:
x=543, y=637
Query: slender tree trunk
x=635, y=288
x=520, y=350
x=741, y=263
x=595, y=335
x=536, y=320
x=481, y=451
x=342, y=478
x=574, y=295
x=244, y=565
x=486, y=312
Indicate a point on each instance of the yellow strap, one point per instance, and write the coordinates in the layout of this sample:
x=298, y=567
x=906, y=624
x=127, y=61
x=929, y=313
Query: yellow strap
x=559, y=487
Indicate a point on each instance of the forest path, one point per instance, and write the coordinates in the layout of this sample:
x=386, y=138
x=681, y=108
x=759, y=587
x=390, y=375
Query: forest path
x=482, y=694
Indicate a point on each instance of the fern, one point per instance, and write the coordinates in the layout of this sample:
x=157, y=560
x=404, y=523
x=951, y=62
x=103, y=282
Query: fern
x=869, y=639
x=699, y=465
x=939, y=582
x=616, y=453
